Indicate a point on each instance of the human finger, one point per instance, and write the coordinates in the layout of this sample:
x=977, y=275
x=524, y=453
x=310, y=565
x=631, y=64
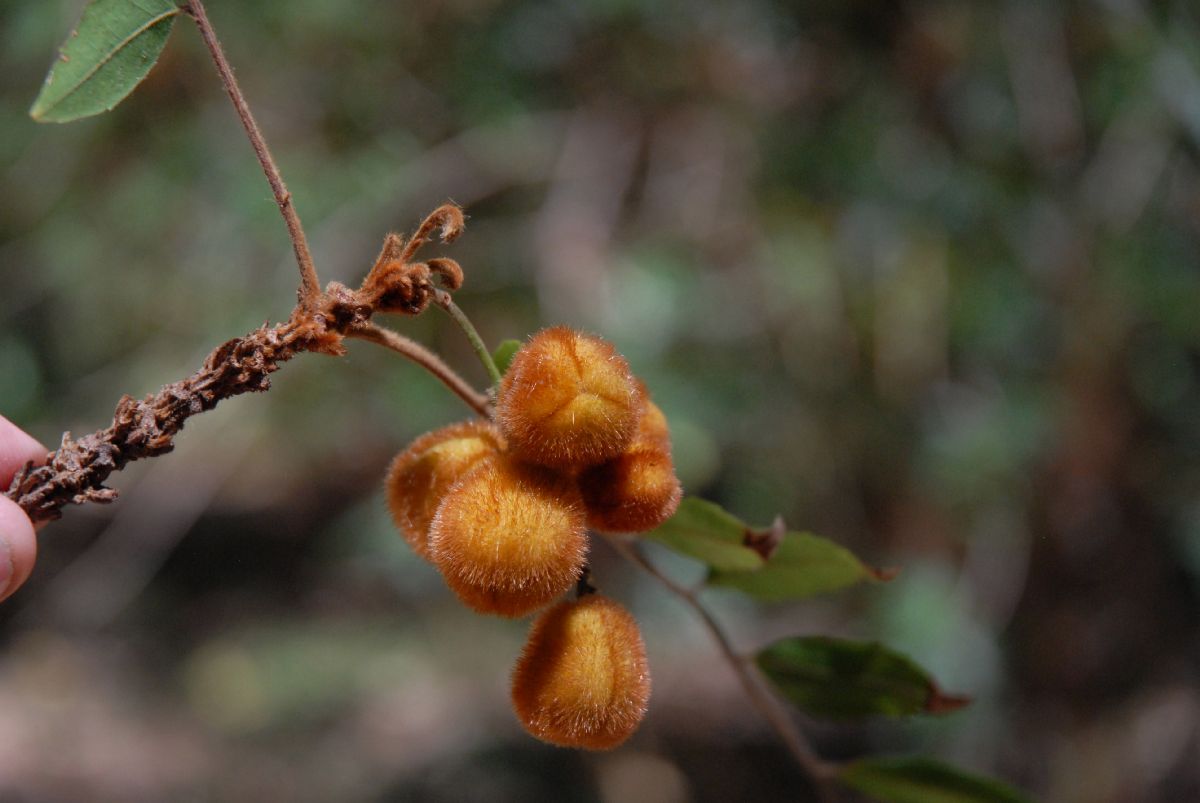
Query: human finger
x=18, y=547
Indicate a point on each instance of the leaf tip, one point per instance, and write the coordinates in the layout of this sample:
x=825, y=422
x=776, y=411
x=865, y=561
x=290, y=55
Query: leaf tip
x=37, y=111
x=939, y=702
x=884, y=574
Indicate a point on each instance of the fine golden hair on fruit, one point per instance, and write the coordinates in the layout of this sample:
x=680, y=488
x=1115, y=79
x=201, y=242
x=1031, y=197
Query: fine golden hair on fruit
x=632, y=493
x=568, y=400
x=509, y=537
x=652, y=429
x=419, y=476
x=582, y=679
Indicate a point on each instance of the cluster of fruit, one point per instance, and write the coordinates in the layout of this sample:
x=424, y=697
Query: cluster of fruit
x=502, y=508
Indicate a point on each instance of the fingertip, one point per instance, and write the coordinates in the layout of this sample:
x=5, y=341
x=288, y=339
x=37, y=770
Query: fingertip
x=17, y=448
x=18, y=547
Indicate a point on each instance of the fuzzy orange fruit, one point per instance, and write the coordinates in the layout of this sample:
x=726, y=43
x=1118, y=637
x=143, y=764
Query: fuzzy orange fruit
x=582, y=679
x=568, y=400
x=420, y=475
x=637, y=490
x=509, y=538
x=632, y=493
x=652, y=427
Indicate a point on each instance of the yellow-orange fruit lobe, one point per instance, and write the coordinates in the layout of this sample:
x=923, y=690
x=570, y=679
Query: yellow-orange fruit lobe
x=509, y=538
x=652, y=429
x=582, y=679
x=633, y=493
x=420, y=475
x=568, y=400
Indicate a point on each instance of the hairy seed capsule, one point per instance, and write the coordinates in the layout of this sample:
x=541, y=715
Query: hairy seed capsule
x=632, y=493
x=509, y=538
x=420, y=475
x=568, y=400
x=582, y=679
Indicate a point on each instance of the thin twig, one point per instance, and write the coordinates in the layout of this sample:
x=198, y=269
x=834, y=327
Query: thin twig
x=817, y=770
x=426, y=359
x=310, y=286
x=443, y=300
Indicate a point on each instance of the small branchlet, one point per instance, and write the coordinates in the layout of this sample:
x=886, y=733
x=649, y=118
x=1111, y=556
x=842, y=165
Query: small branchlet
x=509, y=537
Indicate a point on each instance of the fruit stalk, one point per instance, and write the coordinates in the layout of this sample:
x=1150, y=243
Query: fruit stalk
x=817, y=771
x=443, y=300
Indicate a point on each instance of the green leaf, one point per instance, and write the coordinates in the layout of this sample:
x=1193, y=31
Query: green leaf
x=770, y=563
x=803, y=565
x=504, y=353
x=105, y=57
x=843, y=679
x=922, y=780
x=705, y=531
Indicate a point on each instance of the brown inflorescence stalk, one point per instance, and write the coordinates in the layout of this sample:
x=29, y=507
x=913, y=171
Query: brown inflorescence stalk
x=75, y=473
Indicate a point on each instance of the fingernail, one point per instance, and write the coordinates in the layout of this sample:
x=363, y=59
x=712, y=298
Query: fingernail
x=6, y=566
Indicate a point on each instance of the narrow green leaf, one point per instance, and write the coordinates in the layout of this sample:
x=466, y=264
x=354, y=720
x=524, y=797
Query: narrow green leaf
x=923, y=780
x=105, y=57
x=705, y=531
x=504, y=353
x=803, y=565
x=844, y=679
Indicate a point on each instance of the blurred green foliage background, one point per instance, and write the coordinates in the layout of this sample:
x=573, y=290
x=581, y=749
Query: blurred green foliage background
x=921, y=276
